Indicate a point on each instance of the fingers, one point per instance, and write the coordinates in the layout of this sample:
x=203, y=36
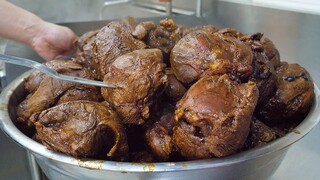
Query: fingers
x=54, y=42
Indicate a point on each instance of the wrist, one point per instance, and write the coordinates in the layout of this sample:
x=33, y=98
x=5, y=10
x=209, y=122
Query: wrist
x=32, y=30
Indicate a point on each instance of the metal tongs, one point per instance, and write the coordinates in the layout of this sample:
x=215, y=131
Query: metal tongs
x=50, y=72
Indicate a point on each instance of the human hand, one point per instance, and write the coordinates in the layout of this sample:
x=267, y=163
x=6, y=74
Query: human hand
x=53, y=41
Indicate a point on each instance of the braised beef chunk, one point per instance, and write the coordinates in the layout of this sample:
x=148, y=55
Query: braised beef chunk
x=112, y=41
x=50, y=90
x=271, y=52
x=241, y=53
x=164, y=36
x=159, y=137
x=214, y=117
x=61, y=66
x=263, y=69
x=130, y=22
x=143, y=29
x=260, y=134
x=83, y=129
x=293, y=97
x=85, y=39
x=85, y=49
x=201, y=53
x=182, y=93
x=189, y=55
x=207, y=28
x=32, y=82
x=175, y=89
x=139, y=77
x=80, y=93
x=264, y=76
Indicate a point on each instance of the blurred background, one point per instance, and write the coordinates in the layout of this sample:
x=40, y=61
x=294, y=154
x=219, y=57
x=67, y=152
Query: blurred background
x=85, y=10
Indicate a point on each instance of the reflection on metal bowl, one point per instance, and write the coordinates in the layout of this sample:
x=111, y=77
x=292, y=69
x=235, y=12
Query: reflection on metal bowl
x=258, y=163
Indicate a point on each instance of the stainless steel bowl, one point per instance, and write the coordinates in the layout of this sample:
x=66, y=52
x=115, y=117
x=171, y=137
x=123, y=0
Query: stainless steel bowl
x=259, y=163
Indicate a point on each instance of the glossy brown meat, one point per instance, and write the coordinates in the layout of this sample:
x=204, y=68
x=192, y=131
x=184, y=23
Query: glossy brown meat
x=183, y=93
x=85, y=39
x=159, y=137
x=164, y=36
x=271, y=52
x=261, y=45
x=214, y=117
x=139, y=77
x=260, y=134
x=183, y=30
x=175, y=89
x=201, y=53
x=83, y=129
x=143, y=29
x=130, y=22
x=84, y=46
x=207, y=28
x=80, y=93
x=33, y=81
x=263, y=69
x=49, y=90
x=293, y=97
x=264, y=76
x=112, y=41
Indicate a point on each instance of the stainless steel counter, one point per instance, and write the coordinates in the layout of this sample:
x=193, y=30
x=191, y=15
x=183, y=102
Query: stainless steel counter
x=296, y=36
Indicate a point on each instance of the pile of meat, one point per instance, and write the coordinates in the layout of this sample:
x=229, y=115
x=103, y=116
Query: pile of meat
x=182, y=94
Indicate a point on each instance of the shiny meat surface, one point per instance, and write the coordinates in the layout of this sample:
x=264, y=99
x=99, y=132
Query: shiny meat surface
x=80, y=93
x=263, y=68
x=83, y=129
x=85, y=49
x=47, y=91
x=207, y=28
x=271, y=52
x=175, y=89
x=159, y=137
x=112, y=41
x=264, y=76
x=61, y=66
x=260, y=134
x=183, y=93
x=85, y=39
x=164, y=36
x=143, y=29
x=140, y=79
x=201, y=53
x=293, y=97
x=214, y=117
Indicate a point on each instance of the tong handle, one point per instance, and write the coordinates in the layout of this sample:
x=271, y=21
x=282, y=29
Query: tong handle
x=50, y=72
